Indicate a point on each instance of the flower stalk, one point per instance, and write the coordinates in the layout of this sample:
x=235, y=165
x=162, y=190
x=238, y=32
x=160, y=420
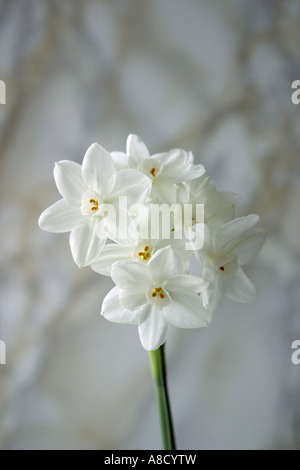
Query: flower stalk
x=159, y=375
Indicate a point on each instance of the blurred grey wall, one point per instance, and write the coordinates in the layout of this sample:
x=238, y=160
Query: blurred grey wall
x=210, y=76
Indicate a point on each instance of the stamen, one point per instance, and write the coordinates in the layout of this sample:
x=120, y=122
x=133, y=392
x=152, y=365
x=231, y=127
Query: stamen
x=222, y=268
x=158, y=291
x=153, y=171
x=96, y=204
x=144, y=255
x=90, y=203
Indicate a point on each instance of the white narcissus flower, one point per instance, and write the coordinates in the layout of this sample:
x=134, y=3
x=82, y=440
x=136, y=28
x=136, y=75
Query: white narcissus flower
x=140, y=250
x=224, y=252
x=163, y=169
x=87, y=191
x=154, y=295
x=137, y=248
x=219, y=207
x=149, y=270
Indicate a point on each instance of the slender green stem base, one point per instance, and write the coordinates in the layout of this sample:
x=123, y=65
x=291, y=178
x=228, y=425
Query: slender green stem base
x=159, y=374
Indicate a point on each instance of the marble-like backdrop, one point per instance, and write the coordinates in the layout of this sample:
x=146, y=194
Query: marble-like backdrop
x=210, y=76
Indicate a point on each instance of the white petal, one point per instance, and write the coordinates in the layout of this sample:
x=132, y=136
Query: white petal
x=248, y=248
x=164, y=191
x=69, y=181
x=113, y=311
x=109, y=223
x=131, y=275
x=165, y=264
x=153, y=330
x=136, y=149
x=133, y=184
x=190, y=157
x=100, y=227
x=209, y=274
x=187, y=311
x=212, y=303
x=85, y=244
x=239, y=287
x=214, y=294
x=191, y=172
x=98, y=170
x=120, y=160
x=133, y=299
x=177, y=166
x=231, y=233
x=172, y=162
x=207, y=248
x=177, y=245
x=61, y=217
x=110, y=254
x=186, y=284
x=183, y=193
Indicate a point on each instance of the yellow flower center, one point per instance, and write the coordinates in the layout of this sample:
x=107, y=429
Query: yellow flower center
x=158, y=292
x=95, y=204
x=91, y=204
x=144, y=255
x=153, y=171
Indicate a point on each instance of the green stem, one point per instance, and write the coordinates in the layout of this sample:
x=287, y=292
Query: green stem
x=159, y=374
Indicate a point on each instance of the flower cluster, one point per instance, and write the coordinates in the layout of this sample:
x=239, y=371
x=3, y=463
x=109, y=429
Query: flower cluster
x=151, y=269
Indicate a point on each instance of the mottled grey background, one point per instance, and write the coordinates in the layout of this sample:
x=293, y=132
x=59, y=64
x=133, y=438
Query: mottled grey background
x=213, y=77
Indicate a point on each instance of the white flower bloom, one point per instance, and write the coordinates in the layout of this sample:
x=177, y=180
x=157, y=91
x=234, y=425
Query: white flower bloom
x=164, y=170
x=219, y=207
x=87, y=191
x=153, y=235
x=140, y=250
x=224, y=252
x=154, y=295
